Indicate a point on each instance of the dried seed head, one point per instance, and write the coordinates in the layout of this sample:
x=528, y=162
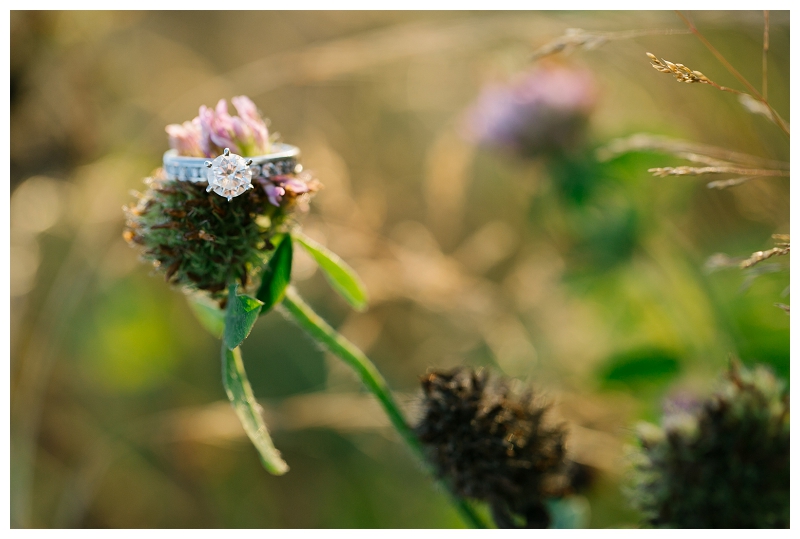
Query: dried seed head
x=493, y=445
x=723, y=462
x=679, y=71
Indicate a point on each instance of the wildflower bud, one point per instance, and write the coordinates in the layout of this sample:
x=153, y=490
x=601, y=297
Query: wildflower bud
x=492, y=445
x=720, y=463
x=540, y=112
x=199, y=239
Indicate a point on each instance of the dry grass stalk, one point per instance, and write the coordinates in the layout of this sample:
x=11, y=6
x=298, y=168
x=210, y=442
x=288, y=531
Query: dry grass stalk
x=719, y=261
x=783, y=306
x=764, y=52
x=732, y=70
x=691, y=151
x=755, y=106
x=724, y=184
x=684, y=74
x=705, y=160
x=663, y=172
x=679, y=71
x=576, y=38
x=759, y=256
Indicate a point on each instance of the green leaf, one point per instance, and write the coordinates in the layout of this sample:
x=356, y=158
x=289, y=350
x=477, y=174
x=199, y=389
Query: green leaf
x=640, y=366
x=276, y=275
x=239, y=319
x=208, y=313
x=342, y=277
x=249, y=412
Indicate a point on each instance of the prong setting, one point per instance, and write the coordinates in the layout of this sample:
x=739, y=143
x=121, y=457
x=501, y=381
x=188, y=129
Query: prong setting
x=208, y=164
x=230, y=175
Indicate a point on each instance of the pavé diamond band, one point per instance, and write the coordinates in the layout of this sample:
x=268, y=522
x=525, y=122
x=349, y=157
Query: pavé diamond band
x=230, y=175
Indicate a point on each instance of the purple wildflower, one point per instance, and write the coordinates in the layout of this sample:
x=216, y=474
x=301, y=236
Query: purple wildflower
x=541, y=111
x=217, y=128
x=213, y=130
x=274, y=193
x=293, y=185
x=254, y=128
x=286, y=189
x=186, y=138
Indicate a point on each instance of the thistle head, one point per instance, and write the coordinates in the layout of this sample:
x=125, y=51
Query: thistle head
x=200, y=240
x=542, y=111
x=492, y=444
x=719, y=463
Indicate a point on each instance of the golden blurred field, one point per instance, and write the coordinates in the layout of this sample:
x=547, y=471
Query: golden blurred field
x=470, y=256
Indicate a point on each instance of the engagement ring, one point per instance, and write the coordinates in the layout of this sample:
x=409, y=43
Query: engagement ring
x=229, y=175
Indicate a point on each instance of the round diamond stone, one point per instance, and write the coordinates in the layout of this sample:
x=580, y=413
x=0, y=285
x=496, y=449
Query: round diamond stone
x=229, y=176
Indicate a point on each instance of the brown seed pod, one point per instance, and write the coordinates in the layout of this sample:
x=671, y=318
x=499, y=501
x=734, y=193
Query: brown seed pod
x=493, y=445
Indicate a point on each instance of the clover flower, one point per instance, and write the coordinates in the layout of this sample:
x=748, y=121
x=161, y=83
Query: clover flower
x=544, y=110
x=720, y=463
x=198, y=239
x=186, y=138
x=215, y=129
x=492, y=445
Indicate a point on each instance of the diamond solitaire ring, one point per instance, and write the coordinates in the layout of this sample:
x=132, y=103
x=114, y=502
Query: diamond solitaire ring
x=229, y=175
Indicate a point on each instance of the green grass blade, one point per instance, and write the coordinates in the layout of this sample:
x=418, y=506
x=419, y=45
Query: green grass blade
x=340, y=275
x=249, y=412
x=276, y=275
x=208, y=313
x=242, y=313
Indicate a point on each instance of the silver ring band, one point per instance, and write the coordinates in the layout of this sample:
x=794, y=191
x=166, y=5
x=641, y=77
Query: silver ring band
x=282, y=160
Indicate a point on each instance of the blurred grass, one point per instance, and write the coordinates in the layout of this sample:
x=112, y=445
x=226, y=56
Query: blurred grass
x=468, y=256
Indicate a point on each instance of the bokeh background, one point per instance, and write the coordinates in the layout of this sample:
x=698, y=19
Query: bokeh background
x=471, y=256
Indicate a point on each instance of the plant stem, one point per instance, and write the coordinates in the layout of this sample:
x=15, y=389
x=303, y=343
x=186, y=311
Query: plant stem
x=732, y=70
x=324, y=334
x=764, y=51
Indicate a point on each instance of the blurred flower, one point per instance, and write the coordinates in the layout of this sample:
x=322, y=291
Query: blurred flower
x=541, y=111
x=720, y=463
x=492, y=445
x=213, y=130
